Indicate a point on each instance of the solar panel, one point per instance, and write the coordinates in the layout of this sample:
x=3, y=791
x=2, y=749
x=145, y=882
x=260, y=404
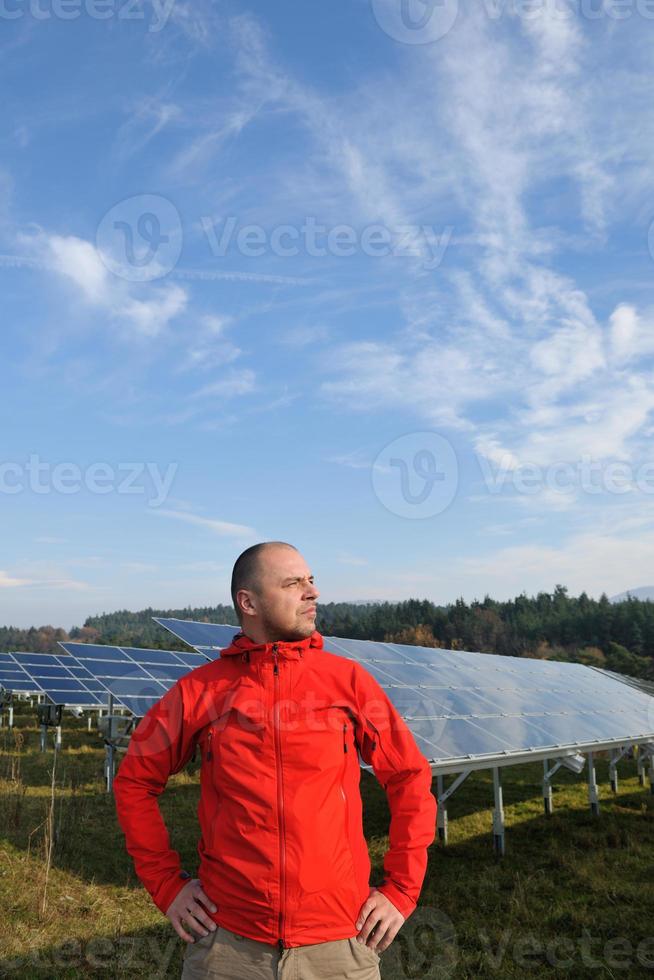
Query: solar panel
x=13, y=678
x=59, y=678
x=638, y=682
x=63, y=680
x=462, y=706
x=135, y=677
x=207, y=638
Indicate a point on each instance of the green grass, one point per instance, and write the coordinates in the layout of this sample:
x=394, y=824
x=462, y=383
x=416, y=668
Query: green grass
x=584, y=883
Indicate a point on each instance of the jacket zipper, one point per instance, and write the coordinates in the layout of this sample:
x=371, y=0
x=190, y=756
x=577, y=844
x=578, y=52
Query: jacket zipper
x=280, y=804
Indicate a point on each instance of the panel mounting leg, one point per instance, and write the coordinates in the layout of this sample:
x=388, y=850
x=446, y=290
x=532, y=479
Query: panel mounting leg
x=109, y=766
x=498, y=814
x=641, y=766
x=613, y=772
x=547, y=789
x=43, y=737
x=441, y=814
x=593, y=797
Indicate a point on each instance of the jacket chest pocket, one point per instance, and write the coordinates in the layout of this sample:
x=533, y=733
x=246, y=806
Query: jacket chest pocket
x=234, y=741
x=323, y=741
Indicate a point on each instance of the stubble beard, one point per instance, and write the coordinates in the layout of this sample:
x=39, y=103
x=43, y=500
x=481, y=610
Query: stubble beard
x=282, y=631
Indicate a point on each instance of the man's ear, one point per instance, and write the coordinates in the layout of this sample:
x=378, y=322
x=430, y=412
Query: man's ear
x=246, y=602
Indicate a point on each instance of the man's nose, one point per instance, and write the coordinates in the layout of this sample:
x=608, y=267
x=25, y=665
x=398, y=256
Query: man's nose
x=313, y=591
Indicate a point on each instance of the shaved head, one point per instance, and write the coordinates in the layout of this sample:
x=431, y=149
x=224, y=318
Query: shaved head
x=246, y=573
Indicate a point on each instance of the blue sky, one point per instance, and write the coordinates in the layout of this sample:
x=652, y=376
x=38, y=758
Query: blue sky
x=371, y=278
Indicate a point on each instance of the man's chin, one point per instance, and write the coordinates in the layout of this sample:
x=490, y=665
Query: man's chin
x=301, y=630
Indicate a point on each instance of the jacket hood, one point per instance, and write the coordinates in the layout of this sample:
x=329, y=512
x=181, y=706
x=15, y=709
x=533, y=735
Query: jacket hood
x=246, y=648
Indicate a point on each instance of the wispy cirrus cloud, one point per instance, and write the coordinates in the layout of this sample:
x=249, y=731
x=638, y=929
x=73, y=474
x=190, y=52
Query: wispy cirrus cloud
x=11, y=582
x=222, y=528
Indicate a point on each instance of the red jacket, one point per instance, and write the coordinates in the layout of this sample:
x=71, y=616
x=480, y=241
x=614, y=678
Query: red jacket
x=282, y=851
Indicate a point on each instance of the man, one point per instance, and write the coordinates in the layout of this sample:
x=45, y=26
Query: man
x=283, y=887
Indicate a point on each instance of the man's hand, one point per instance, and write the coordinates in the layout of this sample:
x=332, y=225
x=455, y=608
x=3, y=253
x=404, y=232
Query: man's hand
x=186, y=908
x=378, y=920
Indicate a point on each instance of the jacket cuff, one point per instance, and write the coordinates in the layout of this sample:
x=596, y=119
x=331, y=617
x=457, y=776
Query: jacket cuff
x=168, y=892
x=404, y=905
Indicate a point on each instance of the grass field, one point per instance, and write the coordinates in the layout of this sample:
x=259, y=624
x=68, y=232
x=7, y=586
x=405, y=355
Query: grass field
x=573, y=896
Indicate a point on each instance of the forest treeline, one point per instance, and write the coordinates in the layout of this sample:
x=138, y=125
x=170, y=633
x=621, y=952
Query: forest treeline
x=555, y=626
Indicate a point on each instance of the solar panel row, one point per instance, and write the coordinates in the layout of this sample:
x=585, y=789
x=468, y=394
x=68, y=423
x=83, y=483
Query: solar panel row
x=134, y=677
x=59, y=678
x=86, y=674
x=464, y=705
x=459, y=705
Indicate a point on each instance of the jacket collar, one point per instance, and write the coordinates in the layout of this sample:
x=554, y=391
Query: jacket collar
x=248, y=650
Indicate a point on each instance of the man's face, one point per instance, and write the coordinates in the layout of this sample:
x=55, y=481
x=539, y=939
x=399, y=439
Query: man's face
x=285, y=600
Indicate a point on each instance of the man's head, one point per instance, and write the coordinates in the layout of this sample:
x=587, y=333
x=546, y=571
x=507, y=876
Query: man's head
x=273, y=592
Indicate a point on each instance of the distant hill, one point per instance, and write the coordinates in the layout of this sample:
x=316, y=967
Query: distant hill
x=644, y=592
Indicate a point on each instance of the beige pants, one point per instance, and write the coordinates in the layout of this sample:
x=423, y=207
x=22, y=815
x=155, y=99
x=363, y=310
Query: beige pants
x=224, y=955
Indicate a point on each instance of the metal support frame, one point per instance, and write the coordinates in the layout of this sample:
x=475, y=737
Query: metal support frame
x=441, y=812
x=443, y=796
x=110, y=760
x=614, y=758
x=572, y=758
x=498, y=814
x=547, y=786
x=593, y=797
x=6, y=705
x=115, y=730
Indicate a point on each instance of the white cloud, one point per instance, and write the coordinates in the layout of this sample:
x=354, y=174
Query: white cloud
x=235, y=384
x=508, y=348
x=149, y=316
x=9, y=582
x=593, y=561
x=79, y=261
x=147, y=119
x=144, y=309
x=632, y=335
x=47, y=580
x=347, y=559
x=223, y=528
x=356, y=460
x=211, y=349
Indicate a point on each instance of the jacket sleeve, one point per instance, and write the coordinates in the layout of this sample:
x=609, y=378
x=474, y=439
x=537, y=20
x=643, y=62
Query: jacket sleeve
x=388, y=746
x=161, y=745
